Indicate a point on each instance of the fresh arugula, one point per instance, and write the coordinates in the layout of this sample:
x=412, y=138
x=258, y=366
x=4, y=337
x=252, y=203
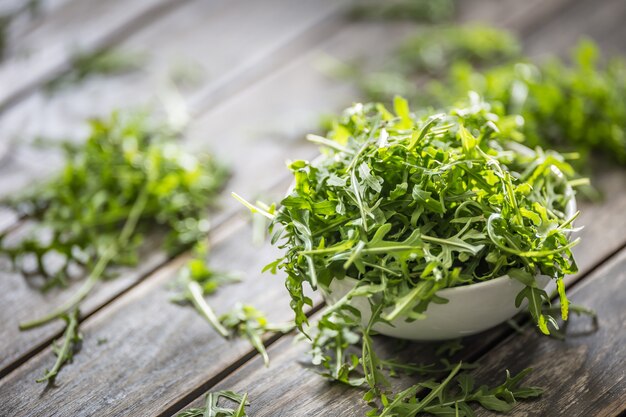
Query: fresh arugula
x=579, y=107
x=197, y=279
x=443, y=400
x=213, y=409
x=427, y=56
x=65, y=350
x=410, y=205
x=128, y=179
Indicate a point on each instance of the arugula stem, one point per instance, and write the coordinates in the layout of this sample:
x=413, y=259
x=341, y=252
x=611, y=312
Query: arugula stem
x=198, y=301
x=437, y=391
x=62, y=355
x=241, y=410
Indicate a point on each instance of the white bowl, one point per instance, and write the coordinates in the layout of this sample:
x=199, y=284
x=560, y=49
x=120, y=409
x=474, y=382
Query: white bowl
x=470, y=309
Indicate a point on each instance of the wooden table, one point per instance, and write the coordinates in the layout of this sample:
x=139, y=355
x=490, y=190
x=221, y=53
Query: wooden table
x=143, y=355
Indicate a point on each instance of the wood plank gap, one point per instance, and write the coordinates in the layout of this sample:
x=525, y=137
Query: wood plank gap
x=182, y=402
x=237, y=81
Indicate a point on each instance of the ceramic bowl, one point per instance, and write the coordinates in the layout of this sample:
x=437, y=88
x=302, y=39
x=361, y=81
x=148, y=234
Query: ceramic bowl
x=471, y=308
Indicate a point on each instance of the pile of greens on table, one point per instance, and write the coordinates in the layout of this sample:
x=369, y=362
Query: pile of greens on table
x=579, y=107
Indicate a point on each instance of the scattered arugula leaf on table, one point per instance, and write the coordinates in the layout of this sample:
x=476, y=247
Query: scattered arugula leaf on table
x=197, y=279
x=128, y=179
x=248, y=322
x=68, y=346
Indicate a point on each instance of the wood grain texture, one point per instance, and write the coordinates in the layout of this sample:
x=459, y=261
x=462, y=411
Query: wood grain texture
x=24, y=20
x=21, y=301
x=80, y=25
x=583, y=375
x=67, y=112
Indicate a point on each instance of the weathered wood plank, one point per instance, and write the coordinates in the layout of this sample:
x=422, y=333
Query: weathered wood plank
x=583, y=375
x=75, y=26
x=154, y=350
x=233, y=51
x=23, y=18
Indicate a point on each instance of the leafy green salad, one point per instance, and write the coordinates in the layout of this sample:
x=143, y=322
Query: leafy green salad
x=411, y=204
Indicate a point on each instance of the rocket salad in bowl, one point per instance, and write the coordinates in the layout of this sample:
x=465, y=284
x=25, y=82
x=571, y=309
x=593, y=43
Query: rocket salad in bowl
x=401, y=208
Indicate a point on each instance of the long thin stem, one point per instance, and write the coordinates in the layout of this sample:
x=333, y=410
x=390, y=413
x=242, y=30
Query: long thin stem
x=99, y=268
x=69, y=337
x=198, y=301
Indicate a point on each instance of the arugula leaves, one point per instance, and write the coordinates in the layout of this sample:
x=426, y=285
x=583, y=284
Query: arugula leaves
x=409, y=205
x=213, y=409
x=443, y=400
x=577, y=108
x=69, y=344
x=248, y=322
x=415, y=10
x=127, y=180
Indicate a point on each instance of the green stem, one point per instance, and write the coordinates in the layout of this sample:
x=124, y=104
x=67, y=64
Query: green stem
x=198, y=301
x=435, y=392
x=241, y=410
x=68, y=339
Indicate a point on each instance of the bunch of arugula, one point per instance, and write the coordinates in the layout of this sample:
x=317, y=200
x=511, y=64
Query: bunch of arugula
x=428, y=55
x=410, y=205
x=579, y=107
x=128, y=179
